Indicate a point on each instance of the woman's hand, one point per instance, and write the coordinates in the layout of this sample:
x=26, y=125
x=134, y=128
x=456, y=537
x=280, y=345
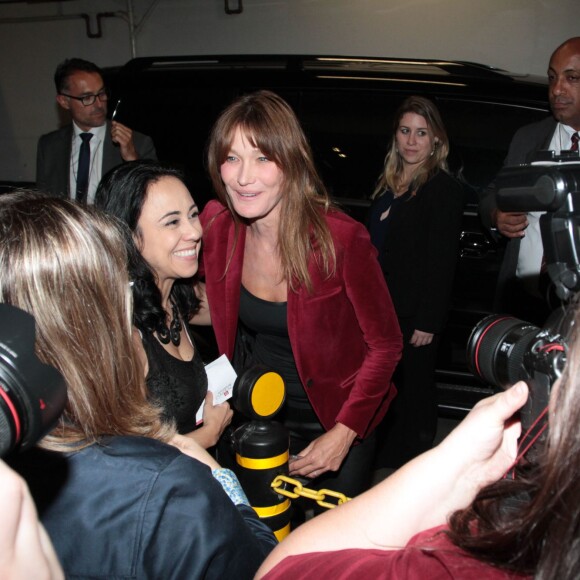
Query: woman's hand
x=215, y=420
x=421, y=338
x=25, y=548
x=326, y=453
x=188, y=446
x=485, y=443
x=422, y=493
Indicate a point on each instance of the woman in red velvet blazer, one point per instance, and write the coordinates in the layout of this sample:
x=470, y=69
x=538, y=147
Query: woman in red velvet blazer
x=300, y=281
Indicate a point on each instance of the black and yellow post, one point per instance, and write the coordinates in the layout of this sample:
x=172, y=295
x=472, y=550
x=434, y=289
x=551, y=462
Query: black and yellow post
x=261, y=446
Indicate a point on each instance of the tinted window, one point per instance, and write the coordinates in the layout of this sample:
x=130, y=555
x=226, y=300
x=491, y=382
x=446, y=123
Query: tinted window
x=179, y=117
x=480, y=134
x=348, y=128
x=348, y=131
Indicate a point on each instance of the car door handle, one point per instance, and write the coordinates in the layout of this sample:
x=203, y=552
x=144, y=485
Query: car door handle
x=474, y=245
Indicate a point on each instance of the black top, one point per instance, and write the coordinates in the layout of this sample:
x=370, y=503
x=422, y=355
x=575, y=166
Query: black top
x=178, y=386
x=267, y=321
x=378, y=228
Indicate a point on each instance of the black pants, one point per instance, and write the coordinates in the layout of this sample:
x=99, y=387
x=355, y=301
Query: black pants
x=410, y=424
x=354, y=475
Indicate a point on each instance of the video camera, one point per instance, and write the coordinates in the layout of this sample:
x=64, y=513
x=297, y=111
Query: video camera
x=32, y=394
x=502, y=349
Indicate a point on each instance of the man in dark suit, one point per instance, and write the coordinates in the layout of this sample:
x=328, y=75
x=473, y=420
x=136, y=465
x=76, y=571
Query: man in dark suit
x=61, y=163
x=519, y=289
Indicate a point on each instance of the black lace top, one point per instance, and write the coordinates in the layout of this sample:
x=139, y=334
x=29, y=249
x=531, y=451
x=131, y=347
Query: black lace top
x=178, y=386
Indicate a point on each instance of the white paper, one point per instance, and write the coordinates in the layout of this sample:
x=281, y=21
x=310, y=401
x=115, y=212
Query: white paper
x=221, y=377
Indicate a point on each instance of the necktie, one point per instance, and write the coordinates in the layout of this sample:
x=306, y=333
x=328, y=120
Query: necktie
x=84, y=167
x=575, y=138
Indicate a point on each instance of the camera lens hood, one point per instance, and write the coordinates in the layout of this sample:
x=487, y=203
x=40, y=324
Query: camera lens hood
x=32, y=394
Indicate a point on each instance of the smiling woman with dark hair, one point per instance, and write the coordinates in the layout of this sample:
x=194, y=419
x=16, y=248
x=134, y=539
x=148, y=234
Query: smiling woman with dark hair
x=154, y=202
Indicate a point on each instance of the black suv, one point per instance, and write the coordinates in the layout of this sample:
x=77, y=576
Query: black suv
x=346, y=107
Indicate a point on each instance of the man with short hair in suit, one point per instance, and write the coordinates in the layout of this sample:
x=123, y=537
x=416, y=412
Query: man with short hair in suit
x=81, y=91
x=518, y=289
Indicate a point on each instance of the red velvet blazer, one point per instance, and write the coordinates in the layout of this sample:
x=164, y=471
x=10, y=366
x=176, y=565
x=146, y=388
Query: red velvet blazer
x=344, y=335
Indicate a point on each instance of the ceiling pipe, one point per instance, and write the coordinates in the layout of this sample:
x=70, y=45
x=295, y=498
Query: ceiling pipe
x=81, y=16
x=128, y=16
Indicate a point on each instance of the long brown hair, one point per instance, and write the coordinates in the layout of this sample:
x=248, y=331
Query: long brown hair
x=389, y=178
x=66, y=265
x=532, y=526
x=271, y=126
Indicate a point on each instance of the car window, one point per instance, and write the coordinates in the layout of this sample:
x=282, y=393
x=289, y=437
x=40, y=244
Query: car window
x=178, y=116
x=480, y=133
x=348, y=128
x=349, y=132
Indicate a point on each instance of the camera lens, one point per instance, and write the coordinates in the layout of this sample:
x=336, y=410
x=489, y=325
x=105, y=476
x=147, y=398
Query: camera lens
x=32, y=394
x=496, y=349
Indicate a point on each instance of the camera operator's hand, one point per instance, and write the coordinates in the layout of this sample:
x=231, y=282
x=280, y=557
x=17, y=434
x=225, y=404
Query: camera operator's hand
x=510, y=224
x=25, y=548
x=424, y=492
x=484, y=445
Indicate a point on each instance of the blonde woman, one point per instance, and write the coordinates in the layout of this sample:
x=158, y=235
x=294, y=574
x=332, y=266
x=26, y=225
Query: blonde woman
x=414, y=222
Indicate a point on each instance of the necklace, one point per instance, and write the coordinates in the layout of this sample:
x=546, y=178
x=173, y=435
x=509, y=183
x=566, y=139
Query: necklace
x=400, y=190
x=173, y=333
x=401, y=187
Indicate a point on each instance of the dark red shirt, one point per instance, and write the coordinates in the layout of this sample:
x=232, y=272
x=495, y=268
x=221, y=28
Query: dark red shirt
x=428, y=555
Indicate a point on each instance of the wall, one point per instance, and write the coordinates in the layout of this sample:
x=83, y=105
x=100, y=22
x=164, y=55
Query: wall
x=517, y=35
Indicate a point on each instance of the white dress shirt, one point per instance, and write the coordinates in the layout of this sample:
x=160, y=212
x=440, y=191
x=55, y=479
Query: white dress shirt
x=531, y=248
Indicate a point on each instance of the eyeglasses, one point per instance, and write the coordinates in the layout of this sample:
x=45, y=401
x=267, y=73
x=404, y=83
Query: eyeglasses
x=88, y=100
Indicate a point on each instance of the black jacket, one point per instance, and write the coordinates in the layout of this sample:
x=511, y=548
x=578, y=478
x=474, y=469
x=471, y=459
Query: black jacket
x=419, y=251
x=526, y=141
x=137, y=508
x=54, y=151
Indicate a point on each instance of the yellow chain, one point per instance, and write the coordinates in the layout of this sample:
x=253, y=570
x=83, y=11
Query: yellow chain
x=301, y=491
x=340, y=498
